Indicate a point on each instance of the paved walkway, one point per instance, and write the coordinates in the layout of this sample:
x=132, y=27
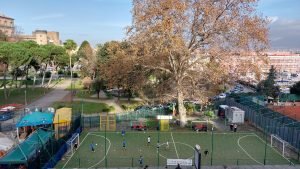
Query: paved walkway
x=57, y=94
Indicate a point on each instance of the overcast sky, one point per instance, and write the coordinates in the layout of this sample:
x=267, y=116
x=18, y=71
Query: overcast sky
x=102, y=20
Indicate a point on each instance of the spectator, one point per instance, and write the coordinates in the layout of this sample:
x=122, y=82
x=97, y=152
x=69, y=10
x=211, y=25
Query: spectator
x=235, y=127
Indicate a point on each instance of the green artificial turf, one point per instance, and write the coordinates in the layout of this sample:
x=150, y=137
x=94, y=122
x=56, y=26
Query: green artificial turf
x=228, y=149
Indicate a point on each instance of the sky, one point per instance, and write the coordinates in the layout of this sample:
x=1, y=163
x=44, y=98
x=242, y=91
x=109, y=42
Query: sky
x=99, y=21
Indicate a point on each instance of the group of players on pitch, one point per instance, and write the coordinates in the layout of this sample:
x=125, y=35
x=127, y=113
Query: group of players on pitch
x=148, y=141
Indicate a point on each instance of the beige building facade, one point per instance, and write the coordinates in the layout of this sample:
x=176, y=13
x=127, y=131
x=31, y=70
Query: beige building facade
x=7, y=26
x=43, y=37
x=284, y=62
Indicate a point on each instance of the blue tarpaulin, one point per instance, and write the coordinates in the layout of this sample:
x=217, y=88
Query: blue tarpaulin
x=35, y=119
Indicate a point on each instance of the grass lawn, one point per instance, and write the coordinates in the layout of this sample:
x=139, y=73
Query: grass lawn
x=88, y=107
x=229, y=149
x=18, y=95
x=77, y=85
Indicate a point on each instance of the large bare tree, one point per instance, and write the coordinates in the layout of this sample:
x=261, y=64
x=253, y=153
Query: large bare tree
x=198, y=43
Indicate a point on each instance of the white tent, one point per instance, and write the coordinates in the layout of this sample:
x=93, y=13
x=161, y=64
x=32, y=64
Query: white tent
x=5, y=143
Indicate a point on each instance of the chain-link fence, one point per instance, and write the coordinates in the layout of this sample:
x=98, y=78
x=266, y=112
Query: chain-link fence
x=269, y=121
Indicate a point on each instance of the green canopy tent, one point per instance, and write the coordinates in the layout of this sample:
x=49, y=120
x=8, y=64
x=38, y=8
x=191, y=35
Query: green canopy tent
x=27, y=149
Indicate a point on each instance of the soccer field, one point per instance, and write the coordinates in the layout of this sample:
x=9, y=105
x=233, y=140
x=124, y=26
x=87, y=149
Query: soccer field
x=228, y=149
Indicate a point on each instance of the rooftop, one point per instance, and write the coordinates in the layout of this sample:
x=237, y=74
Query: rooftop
x=4, y=16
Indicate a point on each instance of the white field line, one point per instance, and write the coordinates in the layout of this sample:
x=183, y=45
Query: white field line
x=175, y=146
x=75, y=151
x=274, y=149
x=245, y=150
x=105, y=153
x=179, y=132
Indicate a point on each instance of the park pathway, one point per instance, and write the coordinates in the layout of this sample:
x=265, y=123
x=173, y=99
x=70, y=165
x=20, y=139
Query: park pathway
x=110, y=102
x=57, y=94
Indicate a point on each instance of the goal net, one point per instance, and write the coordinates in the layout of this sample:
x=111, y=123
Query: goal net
x=280, y=145
x=73, y=144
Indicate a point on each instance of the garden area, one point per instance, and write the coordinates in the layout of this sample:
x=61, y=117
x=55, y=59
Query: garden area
x=18, y=95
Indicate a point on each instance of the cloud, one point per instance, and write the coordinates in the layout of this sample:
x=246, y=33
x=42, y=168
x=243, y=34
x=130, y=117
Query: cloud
x=285, y=34
x=47, y=16
x=111, y=24
x=273, y=19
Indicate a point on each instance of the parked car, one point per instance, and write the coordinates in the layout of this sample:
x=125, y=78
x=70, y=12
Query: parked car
x=199, y=127
x=222, y=96
x=139, y=127
x=142, y=108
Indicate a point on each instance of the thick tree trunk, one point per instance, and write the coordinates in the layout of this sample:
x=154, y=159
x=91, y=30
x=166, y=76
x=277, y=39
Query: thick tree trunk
x=26, y=82
x=4, y=81
x=181, y=108
x=44, y=73
x=52, y=72
x=129, y=94
x=34, y=79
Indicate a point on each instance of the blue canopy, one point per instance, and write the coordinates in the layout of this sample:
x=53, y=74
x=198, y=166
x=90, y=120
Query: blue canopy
x=35, y=119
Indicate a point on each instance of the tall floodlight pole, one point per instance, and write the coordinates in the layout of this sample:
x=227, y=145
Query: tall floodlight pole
x=212, y=145
x=158, y=134
x=105, y=146
x=265, y=155
x=71, y=72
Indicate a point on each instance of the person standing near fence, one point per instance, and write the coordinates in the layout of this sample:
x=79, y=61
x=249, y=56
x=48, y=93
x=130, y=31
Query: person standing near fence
x=231, y=127
x=235, y=127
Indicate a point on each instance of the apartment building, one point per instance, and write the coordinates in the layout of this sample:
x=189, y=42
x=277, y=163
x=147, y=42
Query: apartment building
x=7, y=26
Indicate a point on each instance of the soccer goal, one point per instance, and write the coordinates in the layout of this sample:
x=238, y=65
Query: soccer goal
x=280, y=145
x=73, y=144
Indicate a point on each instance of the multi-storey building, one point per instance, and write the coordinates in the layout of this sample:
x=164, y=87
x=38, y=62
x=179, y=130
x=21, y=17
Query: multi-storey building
x=7, y=26
x=43, y=37
x=284, y=62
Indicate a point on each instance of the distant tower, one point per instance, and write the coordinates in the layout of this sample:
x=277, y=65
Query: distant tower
x=53, y=38
x=41, y=37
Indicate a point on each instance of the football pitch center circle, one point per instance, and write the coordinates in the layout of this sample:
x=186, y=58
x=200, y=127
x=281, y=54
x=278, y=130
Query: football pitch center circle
x=180, y=143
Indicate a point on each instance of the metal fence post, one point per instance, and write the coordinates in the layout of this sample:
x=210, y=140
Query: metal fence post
x=265, y=156
x=105, y=148
x=212, y=145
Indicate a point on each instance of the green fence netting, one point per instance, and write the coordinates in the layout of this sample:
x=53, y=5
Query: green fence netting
x=267, y=120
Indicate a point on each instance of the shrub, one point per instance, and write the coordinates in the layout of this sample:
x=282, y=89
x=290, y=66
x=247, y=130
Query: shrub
x=190, y=108
x=209, y=113
x=87, y=82
x=47, y=74
x=75, y=75
x=60, y=72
